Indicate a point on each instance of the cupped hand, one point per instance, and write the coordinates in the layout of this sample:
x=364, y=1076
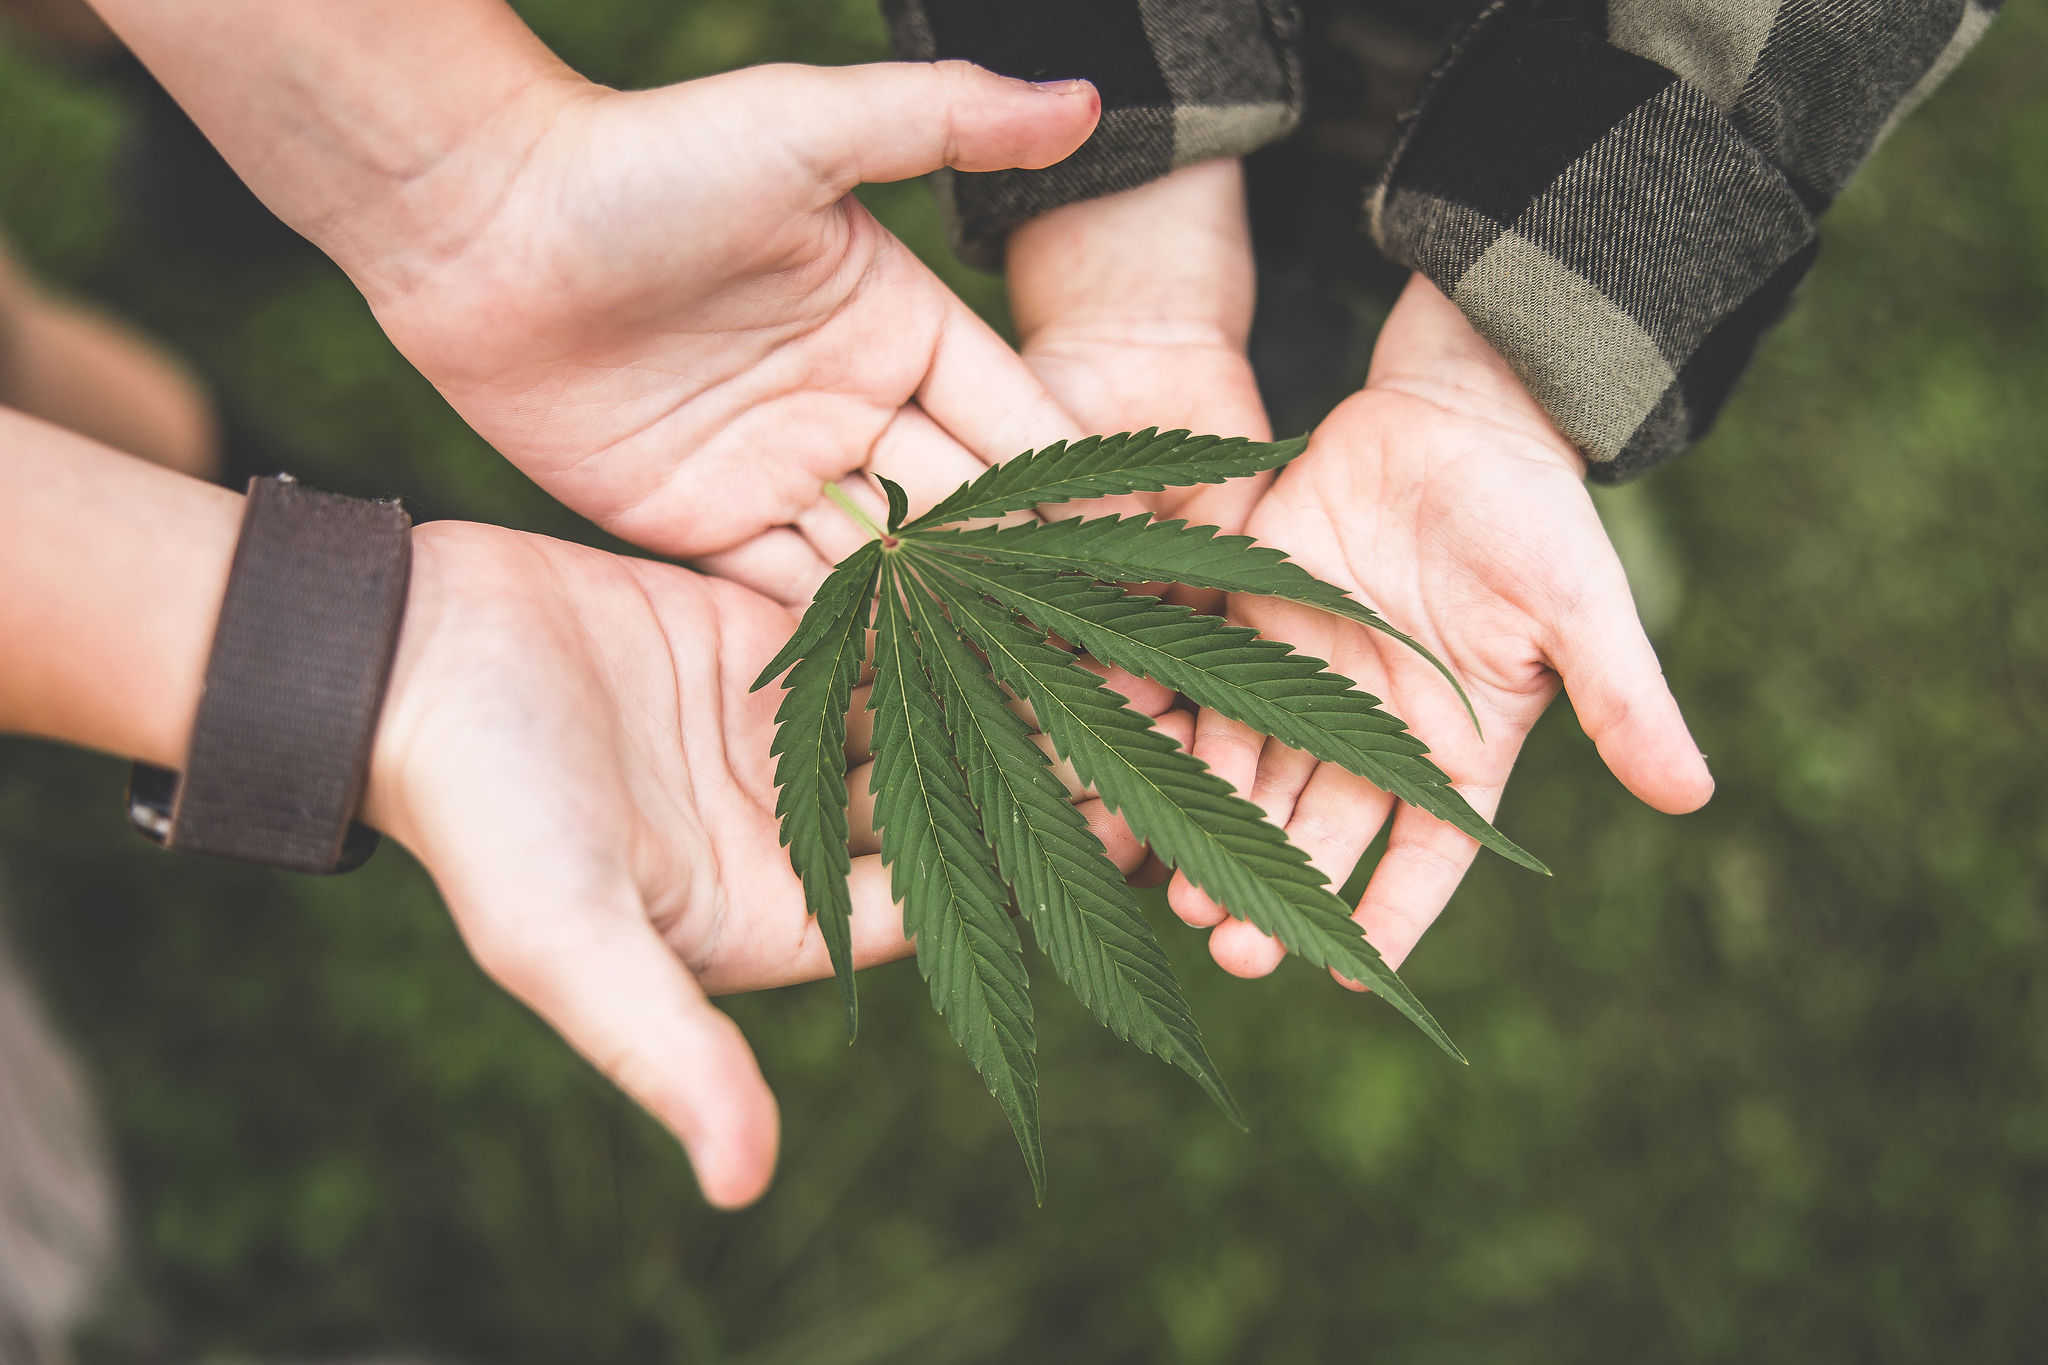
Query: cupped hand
x=667, y=308
x=570, y=747
x=1134, y=308
x=1443, y=497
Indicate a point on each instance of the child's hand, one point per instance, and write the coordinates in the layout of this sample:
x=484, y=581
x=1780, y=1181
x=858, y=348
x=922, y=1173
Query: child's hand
x=1443, y=497
x=1134, y=310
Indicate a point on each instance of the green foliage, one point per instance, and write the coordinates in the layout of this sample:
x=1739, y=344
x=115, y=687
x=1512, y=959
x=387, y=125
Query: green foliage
x=943, y=872
x=1079, y=908
x=1103, y=466
x=1173, y=552
x=810, y=745
x=1263, y=683
x=971, y=818
x=1755, y=1085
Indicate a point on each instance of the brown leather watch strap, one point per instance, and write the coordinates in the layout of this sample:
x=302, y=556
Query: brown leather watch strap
x=294, y=685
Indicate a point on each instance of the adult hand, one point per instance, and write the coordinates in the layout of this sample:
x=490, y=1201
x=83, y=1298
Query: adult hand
x=1443, y=497
x=1134, y=309
x=675, y=317
x=664, y=306
x=568, y=744
x=570, y=748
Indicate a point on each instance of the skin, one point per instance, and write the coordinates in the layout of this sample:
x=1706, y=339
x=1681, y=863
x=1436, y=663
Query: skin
x=1440, y=494
x=667, y=309
x=663, y=306
x=1135, y=309
x=567, y=745
x=86, y=372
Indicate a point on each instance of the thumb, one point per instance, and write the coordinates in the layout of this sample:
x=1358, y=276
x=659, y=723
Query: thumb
x=603, y=978
x=897, y=120
x=1618, y=689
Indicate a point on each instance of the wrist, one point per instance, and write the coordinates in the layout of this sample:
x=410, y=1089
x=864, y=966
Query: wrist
x=111, y=572
x=1169, y=262
x=378, y=128
x=429, y=612
x=1430, y=351
x=407, y=219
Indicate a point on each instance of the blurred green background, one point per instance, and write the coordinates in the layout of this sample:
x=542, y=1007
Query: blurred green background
x=1765, y=1083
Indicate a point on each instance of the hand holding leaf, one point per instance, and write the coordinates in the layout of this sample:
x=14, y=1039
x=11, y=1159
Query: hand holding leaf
x=968, y=822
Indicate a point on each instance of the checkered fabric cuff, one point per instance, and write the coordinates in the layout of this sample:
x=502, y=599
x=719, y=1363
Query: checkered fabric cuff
x=1622, y=195
x=1181, y=81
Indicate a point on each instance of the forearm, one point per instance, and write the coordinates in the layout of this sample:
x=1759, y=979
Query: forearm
x=111, y=573
x=111, y=577
x=359, y=124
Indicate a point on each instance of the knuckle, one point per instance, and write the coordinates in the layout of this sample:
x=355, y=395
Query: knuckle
x=956, y=74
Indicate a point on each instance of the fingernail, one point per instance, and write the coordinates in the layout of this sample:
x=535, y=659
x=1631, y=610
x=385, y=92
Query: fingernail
x=1066, y=87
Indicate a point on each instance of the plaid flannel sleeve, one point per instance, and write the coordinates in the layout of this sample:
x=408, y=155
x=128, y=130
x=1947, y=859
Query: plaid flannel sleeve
x=1181, y=81
x=1621, y=194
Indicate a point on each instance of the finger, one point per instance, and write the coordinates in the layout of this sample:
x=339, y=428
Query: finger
x=1245, y=950
x=605, y=980
x=861, y=835
x=1150, y=873
x=1424, y=862
x=860, y=799
x=877, y=937
x=984, y=394
x=780, y=564
x=899, y=120
x=1143, y=695
x=860, y=726
x=1618, y=690
x=1231, y=749
x=1178, y=726
x=830, y=532
x=1335, y=820
x=1239, y=947
x=920, y=455
x=877, y=920
x=1283, y=773
x=1196, y=908
x=1077, y=789
x=1122, y=846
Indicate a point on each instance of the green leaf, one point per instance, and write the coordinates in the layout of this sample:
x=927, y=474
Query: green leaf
x=1190, y=816
x=899, y=501
x=853, y=580
x=1081, y=910
x=1147, y=461
x=944, y=875
x=1263, y=683
x=810, y=770
x=1141, y=550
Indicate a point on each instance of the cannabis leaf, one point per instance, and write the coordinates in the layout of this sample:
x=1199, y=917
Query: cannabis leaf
x=1141, y=461
x=1190, y=816
x=1080, y=910
x=974, y=823
x=1230, y=669
x=1141, y=550
x=944, y=874
x=810, y=744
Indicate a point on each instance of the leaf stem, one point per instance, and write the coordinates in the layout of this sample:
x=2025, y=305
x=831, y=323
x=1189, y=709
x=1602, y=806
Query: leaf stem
x=862, y=519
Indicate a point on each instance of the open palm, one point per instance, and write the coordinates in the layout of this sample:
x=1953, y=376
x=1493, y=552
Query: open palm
x=672, y=314
x=1442, y=496
x=571, y=749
